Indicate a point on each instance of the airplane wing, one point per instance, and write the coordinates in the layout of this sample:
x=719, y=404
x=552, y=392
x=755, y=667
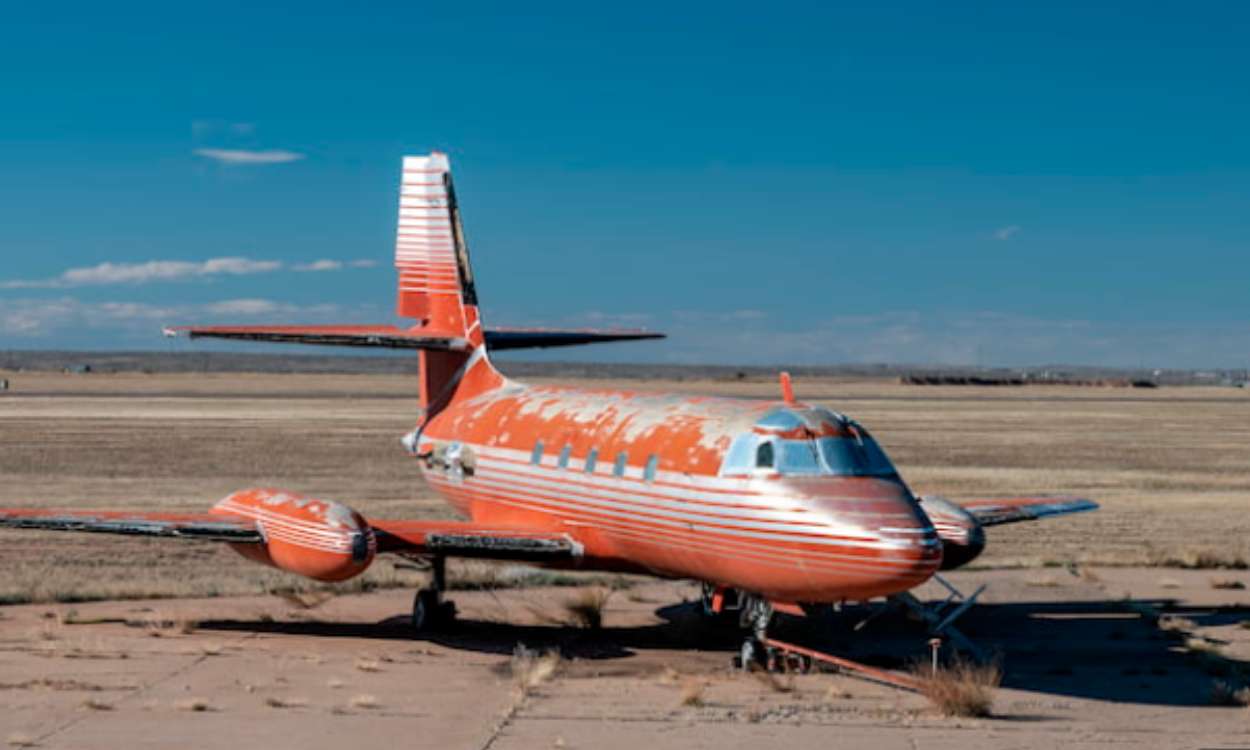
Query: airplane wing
x=393, y=337
x=449, y=538
x=213, y=527
x=994, y=511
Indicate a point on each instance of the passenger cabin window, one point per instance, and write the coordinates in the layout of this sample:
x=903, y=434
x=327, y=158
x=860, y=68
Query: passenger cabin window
x=653, y=463
x=591, y=459
x=565, y=452
x=619, y=467
x=536, y=457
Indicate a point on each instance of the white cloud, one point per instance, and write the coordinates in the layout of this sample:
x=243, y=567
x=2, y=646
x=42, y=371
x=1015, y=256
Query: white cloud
x=320, y=265
x=1007, y=232
x=242, y=157
x=28, y=319
x=173, y=270
x=152, y=270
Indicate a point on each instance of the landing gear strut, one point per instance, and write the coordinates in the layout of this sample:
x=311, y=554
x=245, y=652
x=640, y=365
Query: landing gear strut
x=429, y=611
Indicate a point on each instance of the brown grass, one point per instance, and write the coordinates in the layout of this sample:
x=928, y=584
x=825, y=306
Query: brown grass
x=1226, y=694
x=275, y=701
x=105, y=438
x=585, y=609
x=960, y=689
x=531, y=668
x=96, y=704
x=364, y=701
x=692, y=691
x=1231, y=584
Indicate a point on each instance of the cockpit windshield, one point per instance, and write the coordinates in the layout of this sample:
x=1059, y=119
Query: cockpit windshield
x=818, y=442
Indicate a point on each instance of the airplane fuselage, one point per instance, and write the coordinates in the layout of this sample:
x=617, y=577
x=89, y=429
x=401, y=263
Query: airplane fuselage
x=676, y=485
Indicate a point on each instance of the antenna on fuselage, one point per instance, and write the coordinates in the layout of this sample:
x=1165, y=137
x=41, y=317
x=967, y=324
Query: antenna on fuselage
x=787, y=388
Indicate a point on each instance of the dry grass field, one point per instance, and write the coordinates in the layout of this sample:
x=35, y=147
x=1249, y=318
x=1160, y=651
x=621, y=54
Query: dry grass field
x=1171, y=466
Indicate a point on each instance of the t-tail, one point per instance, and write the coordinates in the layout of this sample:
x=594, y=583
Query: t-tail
x=437, y=292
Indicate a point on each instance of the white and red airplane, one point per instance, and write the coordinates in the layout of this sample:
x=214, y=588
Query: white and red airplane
x=774, y=505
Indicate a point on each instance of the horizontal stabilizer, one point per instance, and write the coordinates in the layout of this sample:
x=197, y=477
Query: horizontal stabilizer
x=499, y=339
x=384, y=336
x=393, y=337
x=212, y=527
x=994, y=511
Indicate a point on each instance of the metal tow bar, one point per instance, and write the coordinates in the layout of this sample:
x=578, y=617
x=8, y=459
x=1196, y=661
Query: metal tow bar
x=863, y=670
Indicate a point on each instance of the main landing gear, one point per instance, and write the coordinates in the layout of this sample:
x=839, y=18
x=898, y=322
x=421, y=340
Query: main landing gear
x=758, y=652
x=429, y=611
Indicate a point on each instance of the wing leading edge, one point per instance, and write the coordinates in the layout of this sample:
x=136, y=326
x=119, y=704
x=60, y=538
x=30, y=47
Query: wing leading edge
x=212, y=527
x=995, y=511
x=449, y=538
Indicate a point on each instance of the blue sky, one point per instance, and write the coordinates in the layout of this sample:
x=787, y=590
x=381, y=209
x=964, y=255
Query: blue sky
x=916, y=182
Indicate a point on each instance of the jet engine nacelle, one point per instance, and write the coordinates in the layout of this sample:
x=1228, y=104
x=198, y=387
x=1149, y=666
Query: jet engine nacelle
x=962, y=535
x=317, y=539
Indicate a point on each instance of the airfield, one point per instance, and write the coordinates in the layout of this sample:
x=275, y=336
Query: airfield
x=1119, y=626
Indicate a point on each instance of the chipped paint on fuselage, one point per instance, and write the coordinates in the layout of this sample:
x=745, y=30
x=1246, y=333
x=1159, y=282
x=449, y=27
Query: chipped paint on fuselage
x=814, y=538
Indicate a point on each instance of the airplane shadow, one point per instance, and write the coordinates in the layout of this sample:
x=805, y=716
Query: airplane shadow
x=1105, y=650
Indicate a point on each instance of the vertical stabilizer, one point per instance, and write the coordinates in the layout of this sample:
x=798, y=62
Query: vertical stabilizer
x=431, y=256
x=436, y=283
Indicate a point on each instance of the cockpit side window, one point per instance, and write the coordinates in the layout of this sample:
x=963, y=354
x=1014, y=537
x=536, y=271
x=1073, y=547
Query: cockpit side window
x=765, y=455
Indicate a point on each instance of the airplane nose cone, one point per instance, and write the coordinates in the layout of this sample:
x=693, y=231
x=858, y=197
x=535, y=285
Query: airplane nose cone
x=900, y=539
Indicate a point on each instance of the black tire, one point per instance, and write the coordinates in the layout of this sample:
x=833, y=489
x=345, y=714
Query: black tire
x=426, y=611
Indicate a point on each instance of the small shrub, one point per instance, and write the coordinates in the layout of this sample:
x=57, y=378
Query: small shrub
x=1231, y=584
x=274, y=701
x=961, y=689
x=531, y=669
x=692, y=692
x=195, y=705
x=586, y=608
x=365, y=701
x=96, y=704
x=1226, y=694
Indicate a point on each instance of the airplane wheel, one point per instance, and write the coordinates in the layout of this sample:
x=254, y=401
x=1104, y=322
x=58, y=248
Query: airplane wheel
x=427, y=611
x=747, y=655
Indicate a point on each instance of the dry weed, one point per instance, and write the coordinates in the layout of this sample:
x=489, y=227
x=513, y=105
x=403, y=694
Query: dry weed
x=368, y=665
x=1198, y=645
x=531, y=668
x=195, y=705
x=18, y=739
x=1045, y=582
x=1169, y=583
x=585, y=609
x=960, y=689
x=306, y=599
x=775, y=682
x=274, y=701
x=692, y=691
x=364, y=701
x=1225, y=694
x=96, y=704
x=1231, y=584
x=335, y=683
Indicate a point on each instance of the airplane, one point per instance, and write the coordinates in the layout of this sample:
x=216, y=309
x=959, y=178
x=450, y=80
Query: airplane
x=774, y=505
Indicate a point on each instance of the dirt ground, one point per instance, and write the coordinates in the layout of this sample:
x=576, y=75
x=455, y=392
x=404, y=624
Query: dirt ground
x=1095, y=646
